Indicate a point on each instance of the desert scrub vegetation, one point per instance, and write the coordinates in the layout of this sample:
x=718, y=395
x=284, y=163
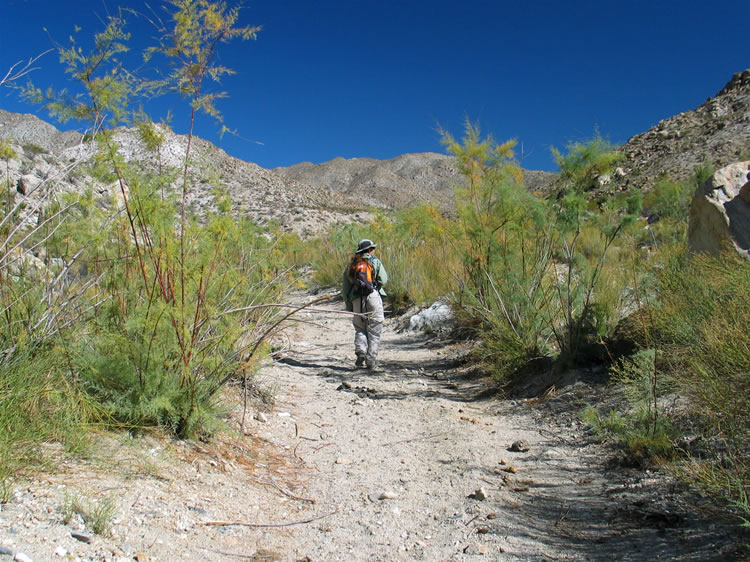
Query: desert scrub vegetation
x=421, y=263
x=540, y=278
x=702, y=326
x=97, y=514
x=127, y=311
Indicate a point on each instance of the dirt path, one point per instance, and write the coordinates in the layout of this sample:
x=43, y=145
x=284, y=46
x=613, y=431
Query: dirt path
x=410, y=462
x=398, y=460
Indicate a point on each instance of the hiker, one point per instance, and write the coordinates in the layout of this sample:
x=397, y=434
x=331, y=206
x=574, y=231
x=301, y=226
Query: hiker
x=363, y=291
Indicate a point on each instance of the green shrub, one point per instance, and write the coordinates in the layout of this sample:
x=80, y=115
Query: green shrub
x=669, y=199
x=30, y=150
x=421, y=266
x=40, y=401
x=703, y=327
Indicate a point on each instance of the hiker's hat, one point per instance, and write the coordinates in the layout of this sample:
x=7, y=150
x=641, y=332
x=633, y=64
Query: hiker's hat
x=365, y=245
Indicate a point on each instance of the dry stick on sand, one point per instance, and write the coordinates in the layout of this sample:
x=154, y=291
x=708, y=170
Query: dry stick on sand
x=288, y=524
x=413, y=439
x=282, y=490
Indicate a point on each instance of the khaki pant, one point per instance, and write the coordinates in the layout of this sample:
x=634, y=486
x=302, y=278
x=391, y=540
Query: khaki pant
x=368, y=326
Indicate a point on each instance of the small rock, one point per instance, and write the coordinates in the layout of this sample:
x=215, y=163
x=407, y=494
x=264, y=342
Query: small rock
x=60, y=551
x=520, y=446
x=510, y=468
x=261, y=417
x=344, y=386
x=479, y=494
x=345, y=460
x=5, y=551
x=83, y=537
x=483, y=530
x=21, y=557
x=387, y=496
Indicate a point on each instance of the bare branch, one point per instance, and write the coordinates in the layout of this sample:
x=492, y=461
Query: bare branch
x=17, y=71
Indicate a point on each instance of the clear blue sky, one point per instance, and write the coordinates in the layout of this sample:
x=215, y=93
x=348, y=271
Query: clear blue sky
x=357, y=78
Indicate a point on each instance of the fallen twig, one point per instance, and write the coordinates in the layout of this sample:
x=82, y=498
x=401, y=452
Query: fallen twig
x=423, y=438
x=288, y=524
x=563, y=516
x=255, y=557
x=546, y=433
x=282, y=490
x=470, y=520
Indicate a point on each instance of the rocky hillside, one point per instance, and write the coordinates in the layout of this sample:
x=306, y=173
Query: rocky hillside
x=396, y=183
x=717, y=131
x=299, y=197
x=50, y=159
x=392, y=184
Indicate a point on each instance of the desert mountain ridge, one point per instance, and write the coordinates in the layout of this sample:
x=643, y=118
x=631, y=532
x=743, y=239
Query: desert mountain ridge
x=299, y=197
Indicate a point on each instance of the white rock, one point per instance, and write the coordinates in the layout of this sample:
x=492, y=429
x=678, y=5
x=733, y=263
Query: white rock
x=433, y=319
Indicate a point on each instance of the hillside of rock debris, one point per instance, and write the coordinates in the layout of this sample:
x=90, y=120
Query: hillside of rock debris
x=299, y=198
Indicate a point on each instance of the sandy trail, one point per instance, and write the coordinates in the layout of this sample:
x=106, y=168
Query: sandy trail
x=409, y=462
x=395, y=459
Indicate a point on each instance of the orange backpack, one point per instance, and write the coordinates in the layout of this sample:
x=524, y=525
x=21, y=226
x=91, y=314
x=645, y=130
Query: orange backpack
x=363, y=278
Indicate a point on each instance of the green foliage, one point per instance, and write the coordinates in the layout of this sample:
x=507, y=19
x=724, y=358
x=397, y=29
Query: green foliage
x=7, y=153
x=504, y=237
x=536, y=274
x=97, y=515
x=669, y=199
x=179, y=304
x=490, y=199
x=578, y=317
x=31, y=150
x=199, y=27
x=107, y=85
x=6, y=490
x=39, y=402
x=703, y=328
x=583, y=165
x=411, y=244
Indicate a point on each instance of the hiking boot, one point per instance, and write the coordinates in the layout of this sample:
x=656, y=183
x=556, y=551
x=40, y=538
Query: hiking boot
x=360, y=361
x=371, y=364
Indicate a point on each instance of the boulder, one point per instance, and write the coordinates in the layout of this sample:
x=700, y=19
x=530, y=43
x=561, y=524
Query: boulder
x=27, y=183
x=437, y=318
x=720, y=212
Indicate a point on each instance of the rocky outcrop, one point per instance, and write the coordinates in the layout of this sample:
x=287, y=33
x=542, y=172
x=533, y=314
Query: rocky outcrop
x=720, y=212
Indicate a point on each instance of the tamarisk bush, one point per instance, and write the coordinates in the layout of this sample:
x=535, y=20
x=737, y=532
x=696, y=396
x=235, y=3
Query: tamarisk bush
x=184, y=298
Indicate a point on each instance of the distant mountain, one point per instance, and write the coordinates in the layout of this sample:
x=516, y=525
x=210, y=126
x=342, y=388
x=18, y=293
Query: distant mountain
x=391, y=184
x=396, y=183
x=307, y=197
